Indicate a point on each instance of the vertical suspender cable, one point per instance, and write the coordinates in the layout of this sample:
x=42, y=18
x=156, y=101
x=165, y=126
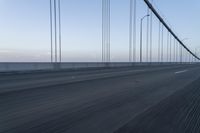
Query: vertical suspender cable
x=170, y=47
x=162, y=44
x=159, y=43
x=106, y=41
x=167, y=46
x=181, y=52
x=51, y=31
x=174, y=50
x=108, y=30
x=130, y=30
x=55, y=30
x=134, y=30
x=60, y=36
x=103, y=31
x=177, y=51
x=184, y=55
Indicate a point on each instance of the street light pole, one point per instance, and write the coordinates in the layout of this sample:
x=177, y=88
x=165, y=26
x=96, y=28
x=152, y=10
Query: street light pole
x=141, y=21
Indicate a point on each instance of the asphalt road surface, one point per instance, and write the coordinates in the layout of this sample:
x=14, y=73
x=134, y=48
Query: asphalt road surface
x=133, y=99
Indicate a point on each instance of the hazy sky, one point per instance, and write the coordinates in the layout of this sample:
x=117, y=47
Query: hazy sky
x=24, y=34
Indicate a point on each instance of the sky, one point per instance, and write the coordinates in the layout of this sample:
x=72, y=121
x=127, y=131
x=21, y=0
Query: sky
x=25, y=28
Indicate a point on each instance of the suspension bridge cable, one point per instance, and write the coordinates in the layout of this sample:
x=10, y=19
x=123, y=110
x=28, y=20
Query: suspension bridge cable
x=169, y=29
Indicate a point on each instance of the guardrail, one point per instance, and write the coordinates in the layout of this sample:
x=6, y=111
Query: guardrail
x=34, y=66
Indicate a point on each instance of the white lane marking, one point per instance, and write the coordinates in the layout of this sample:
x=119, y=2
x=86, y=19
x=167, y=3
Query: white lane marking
x=181, y=71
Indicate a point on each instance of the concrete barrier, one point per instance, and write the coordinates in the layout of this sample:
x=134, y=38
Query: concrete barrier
x=30, y=66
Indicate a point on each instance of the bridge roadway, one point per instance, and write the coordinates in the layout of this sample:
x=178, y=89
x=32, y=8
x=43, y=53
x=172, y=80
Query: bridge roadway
x=159, y=99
